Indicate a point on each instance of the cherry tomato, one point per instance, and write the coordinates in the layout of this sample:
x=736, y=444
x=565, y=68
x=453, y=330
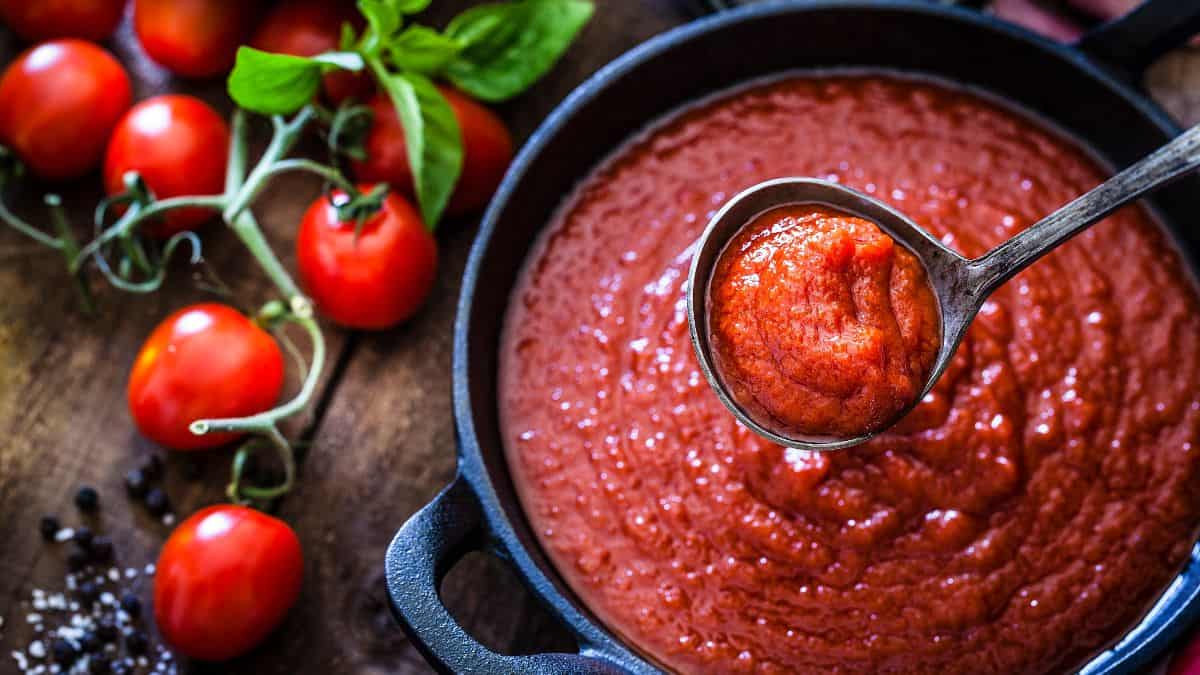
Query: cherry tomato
x=308, y=28
x=203, y=361
x=224, y=580
x=487, y=151
x=59, y=101
x=179, y=145
x=375, y=278
x=37, y=20
x=193, y=38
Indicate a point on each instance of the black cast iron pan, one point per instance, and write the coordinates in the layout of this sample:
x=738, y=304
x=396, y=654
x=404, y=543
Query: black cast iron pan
x=1087, y=90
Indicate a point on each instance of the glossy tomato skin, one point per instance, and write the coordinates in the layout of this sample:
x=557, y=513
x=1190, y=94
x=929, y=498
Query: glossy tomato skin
x=371, y=280
x=203, y=361
x=308, y=28
x=179, y=145
x=487, y=151
x=59, y=101
x=193, y=38
x=224, y=580
x=36, y=20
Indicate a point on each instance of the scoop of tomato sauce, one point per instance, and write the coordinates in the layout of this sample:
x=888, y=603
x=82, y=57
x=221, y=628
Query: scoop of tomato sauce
x=820, y=322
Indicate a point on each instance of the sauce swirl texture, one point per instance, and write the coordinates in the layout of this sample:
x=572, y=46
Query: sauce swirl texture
x=820, y=323
x=1022, y=516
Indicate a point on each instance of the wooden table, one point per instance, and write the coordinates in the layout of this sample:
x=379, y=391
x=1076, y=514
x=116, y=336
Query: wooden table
x=382, y=440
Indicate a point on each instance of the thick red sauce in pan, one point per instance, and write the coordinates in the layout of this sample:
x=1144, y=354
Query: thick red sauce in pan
x=1022, y=516
x=820, y=323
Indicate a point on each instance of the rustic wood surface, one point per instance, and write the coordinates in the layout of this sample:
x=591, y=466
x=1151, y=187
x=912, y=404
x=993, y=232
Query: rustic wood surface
x=382, y=440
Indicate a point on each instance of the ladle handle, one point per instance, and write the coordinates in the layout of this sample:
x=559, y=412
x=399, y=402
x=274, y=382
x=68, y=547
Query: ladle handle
x=1170, y=161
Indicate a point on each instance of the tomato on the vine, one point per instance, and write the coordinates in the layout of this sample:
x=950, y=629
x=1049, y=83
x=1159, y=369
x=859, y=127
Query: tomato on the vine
x=203, y=361
x=308, y=28
x=224, y=580
x=370, y=277
x=487, y=151
x=59, y=101
x=37, y=20
x=179, y=145
x=193, y=38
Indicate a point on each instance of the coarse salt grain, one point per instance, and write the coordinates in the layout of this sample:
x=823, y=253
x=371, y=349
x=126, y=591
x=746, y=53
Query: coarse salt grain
x=130, y=573
x=114, y=574
x=37, y=649
x=64, y=535
x=33, y=617
x=150, y=569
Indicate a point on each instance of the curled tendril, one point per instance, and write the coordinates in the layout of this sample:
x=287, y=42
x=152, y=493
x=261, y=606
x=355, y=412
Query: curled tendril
x=154, y=266
x=348, y=133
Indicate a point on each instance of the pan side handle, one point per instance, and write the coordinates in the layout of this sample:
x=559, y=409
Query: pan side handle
x=423, y=550
x=1133, y=41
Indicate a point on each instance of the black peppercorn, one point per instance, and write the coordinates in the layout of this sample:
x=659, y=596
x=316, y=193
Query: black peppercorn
x=136, y=643
x=63, y=652
x=87, y=499
x=106, y=630
x=49, y=527
x=136, y=483
x=131, y=605
x=89, y=642
x=98, y=665
x=156, y=502
x=88, y=592
x=77, y=560
x=83, y=537
x=102, y=549
x=153, y=467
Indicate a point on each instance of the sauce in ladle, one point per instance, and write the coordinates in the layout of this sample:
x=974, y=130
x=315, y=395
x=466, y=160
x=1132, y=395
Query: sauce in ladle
x=820, y=323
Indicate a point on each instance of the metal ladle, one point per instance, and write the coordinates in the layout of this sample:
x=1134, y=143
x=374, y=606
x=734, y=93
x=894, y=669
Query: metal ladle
x=960, y=285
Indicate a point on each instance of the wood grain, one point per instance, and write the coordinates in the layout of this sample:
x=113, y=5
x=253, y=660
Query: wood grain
x=382, y=448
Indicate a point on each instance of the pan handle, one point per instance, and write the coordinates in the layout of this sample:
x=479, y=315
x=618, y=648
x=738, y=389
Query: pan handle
x=1133, y=41
x=425, y=548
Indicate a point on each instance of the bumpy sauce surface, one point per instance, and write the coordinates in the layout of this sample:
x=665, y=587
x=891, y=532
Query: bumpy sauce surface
x=820, y=323
x=1022, y=516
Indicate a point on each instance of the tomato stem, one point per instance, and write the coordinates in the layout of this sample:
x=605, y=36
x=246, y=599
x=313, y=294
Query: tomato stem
x=235, y=170
x=330, y=174
x=285, y=136
x=69, y=248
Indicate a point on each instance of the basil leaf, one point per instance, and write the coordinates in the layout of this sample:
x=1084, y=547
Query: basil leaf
x=432, y=137
x=485, y=29
x=344, y=60
x=383, y=19
x=423, y=50
x=411, y=6
x=273, y=84
x=504, y=61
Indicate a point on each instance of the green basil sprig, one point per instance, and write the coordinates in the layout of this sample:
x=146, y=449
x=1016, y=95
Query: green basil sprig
x=492, y=51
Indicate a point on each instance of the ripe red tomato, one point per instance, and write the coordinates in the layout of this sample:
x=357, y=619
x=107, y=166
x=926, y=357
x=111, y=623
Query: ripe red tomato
x=487, y=151
x=203, y=361
x=36, y=20
x=179, y=145
x=224, y=580
x=308, y=28
x=193, y=38
x=375, y=278
x=59, y=101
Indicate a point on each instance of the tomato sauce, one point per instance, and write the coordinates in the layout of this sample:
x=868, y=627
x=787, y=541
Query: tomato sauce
x=820, y=323
x=1021, y=517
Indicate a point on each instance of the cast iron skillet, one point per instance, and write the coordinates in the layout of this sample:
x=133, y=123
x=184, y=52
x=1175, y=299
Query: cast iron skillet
x=1086, y=90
